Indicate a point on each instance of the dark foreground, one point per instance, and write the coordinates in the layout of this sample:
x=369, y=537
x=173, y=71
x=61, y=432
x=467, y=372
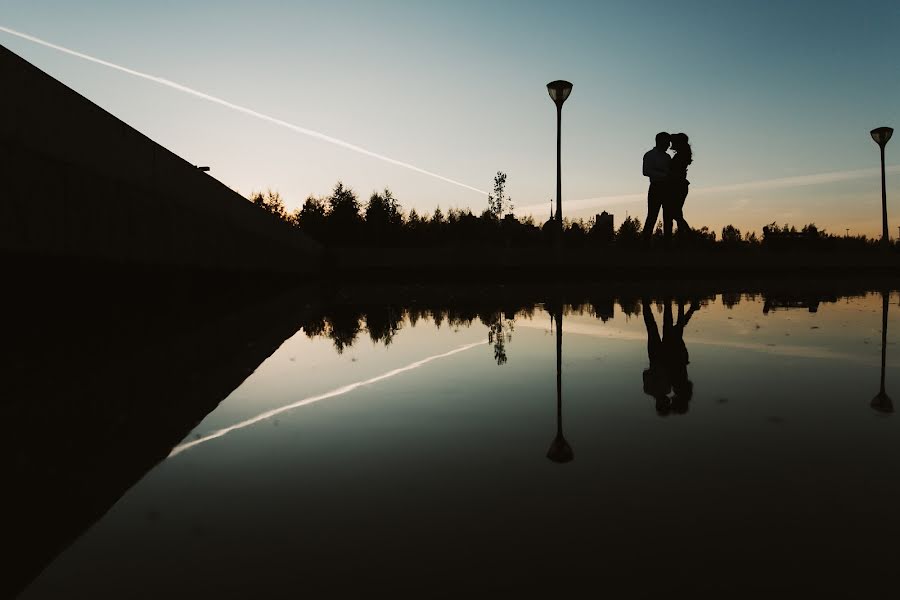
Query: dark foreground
x=469, y=262
x=771, y=477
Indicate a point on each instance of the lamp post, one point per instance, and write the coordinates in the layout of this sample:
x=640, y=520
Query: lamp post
x=559, y=90
x=882, y=402
x=560, y=451
x=882, y=135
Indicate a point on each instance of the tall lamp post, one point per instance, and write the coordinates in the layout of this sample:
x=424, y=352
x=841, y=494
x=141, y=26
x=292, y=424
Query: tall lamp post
x=559, y=90
x=560, y=451
x=882, y=135
x=882, y=402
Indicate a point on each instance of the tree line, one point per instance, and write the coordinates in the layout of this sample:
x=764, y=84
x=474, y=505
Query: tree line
x=342, y=220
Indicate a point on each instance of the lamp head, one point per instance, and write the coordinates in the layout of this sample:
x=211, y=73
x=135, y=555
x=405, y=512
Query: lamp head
x=560, y=451
x=559, y=90
x=882, y=403
x=882, y=135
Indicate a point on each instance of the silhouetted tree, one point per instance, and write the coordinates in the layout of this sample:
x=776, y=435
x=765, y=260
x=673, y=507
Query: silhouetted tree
x=312, y=218
x=499, y=333
x=383, y=324
x=575, y=233
x=705, y=235
x=343, y=327
x=271, y=202
x=384, y=218
x=629, y=232
x=731, y=299
x=344, y=220
x=731, y=235
x=498, y=203
x=438, y=226
x=810, y=231
x=336, y=221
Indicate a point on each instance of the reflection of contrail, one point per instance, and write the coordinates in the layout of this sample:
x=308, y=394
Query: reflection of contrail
x=237, y=107
x=313, y=399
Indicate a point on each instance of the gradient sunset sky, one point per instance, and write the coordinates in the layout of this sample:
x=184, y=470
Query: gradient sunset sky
x=777, y=97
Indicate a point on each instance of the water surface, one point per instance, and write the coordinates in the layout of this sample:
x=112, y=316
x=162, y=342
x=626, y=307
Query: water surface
x=717, y=443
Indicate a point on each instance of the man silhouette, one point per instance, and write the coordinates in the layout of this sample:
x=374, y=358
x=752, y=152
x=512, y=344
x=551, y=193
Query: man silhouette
x=656, y=167
x=668, y=358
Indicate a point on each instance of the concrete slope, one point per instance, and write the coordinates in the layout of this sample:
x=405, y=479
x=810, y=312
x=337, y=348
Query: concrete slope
x=79, y=183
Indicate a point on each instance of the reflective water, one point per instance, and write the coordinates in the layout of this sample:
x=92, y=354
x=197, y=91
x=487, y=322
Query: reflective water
x=662, y=443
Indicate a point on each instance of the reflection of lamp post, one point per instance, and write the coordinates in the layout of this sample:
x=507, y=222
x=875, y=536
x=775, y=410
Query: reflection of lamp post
x=559, y=90
x=882, y=136
x=560, y=451
x=881, y=402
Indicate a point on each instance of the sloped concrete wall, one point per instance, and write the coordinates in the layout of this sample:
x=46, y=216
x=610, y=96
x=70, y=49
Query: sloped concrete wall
x=77, y=182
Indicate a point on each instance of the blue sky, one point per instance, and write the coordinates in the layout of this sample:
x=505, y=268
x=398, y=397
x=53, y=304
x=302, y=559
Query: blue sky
x=766, y=90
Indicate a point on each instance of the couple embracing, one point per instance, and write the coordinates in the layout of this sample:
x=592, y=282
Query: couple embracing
x=668, y=183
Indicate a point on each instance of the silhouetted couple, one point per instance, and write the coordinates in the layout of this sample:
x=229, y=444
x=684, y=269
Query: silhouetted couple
x=668, y=183
x=668, y=359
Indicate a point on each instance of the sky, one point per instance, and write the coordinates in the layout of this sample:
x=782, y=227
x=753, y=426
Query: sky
x=777, y=98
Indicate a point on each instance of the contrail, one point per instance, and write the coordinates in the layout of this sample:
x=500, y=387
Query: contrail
x=313, y=399
x=764, y=184
x=247, y=111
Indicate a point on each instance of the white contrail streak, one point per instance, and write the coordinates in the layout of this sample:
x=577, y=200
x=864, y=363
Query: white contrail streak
x=247, y=111
x=764, y=184
x=313, y=399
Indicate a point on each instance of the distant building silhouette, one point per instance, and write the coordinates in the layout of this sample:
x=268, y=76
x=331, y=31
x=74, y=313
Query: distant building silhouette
x=604, y=228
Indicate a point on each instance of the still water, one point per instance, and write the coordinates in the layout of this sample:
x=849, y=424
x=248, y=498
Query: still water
x=722, y=443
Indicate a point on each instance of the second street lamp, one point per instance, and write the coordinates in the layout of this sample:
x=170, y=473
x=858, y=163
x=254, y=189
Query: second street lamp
x=882, y=135
x=559, y=90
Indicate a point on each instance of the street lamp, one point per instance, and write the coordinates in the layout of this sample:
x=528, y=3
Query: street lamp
x=559, y=90
x=882, y=402
x=560, y=451
x=882, y=135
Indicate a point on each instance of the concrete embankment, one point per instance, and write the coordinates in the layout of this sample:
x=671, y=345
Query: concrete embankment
x=78, y=183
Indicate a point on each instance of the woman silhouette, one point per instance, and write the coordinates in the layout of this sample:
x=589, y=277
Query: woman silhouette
x=678, y=181
x=668, y=358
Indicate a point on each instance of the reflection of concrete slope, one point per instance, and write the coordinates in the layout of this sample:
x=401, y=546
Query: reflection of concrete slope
x=78, y=182
x=98, y=390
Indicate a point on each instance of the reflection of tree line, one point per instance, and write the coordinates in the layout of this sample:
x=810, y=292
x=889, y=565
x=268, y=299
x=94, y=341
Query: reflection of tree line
x=345, y=324
x=665, y=379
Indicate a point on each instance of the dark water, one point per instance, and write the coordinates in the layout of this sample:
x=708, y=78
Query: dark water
x=716, y=443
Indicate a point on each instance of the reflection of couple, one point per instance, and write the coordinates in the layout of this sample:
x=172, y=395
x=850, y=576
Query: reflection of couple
x=668, y=358
x=668, y=183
